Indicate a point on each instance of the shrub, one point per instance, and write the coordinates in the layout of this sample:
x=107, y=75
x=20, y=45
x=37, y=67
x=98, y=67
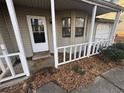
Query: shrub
x=78, y=69
x=113, y=53
x=119, y=46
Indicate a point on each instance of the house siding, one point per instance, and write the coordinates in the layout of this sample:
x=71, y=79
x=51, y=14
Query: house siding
x=22, y=13
x=4, y=35
x=22, y=20
x=63, y=41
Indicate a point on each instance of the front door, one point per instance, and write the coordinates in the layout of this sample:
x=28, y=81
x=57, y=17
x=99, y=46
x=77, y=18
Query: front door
x=38, y=33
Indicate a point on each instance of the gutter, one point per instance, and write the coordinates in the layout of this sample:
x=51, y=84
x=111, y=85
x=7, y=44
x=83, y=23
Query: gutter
x=109, y=4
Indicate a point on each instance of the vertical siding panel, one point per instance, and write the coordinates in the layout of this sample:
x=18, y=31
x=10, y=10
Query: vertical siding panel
x=5, y=34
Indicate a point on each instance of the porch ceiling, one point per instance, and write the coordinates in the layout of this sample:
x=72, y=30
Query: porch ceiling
x=61, y=5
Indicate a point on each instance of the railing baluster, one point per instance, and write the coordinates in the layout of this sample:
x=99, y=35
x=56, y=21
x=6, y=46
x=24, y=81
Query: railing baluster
x=98, y=44
x=70, y=53
x=75, y=52
x=104, y=44
x=107, y=44
x=85, y=47
x=101, y=44
x=64, y=56
x=94, y=45
x=80, y=50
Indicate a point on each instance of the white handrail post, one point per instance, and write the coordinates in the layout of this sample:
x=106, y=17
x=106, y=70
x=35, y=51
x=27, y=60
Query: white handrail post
x=54, y=33
x=16, y=29
x=92, y=29
x=113, y=31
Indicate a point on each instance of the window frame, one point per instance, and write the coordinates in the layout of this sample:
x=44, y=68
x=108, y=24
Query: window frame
x=69, y=28
x=83, y=28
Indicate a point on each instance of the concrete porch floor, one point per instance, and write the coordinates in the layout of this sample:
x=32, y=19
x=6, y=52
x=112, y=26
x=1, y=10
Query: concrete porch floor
x=36, y=65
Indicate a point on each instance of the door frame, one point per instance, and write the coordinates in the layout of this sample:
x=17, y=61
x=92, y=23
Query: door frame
x=31, y=33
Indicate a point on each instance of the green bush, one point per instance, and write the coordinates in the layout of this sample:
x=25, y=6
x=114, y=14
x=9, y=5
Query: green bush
x=112, y=53
x=78, y=69
x=119, y=46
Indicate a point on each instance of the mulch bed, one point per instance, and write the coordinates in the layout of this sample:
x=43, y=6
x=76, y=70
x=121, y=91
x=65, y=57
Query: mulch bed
x=64, y=76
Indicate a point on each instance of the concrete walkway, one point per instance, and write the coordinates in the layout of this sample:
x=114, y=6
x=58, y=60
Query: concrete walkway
x=109, y=82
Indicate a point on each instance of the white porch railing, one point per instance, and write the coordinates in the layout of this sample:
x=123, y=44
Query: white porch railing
x=7, y=70
x=72, y=52
x=67, y=54
x=98, y=45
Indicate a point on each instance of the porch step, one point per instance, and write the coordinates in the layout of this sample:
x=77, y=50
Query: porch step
x=41, y=55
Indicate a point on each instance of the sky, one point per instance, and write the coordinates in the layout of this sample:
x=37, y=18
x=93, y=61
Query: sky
x=120, y=28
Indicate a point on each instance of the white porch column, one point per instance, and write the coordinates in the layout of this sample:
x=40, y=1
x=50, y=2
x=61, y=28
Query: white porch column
x=16, y=29
x=54, y=33
x=114, y=28
x=92, y=29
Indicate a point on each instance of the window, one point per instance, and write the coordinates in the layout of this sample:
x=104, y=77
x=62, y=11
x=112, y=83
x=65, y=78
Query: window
x=79, y=27
x=66, y=27
x=38, y=30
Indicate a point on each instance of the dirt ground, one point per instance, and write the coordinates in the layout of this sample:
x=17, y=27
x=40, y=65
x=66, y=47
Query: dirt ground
x=65, y=76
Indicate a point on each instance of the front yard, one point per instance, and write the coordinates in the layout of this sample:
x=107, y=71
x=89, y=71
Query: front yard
x=69, y=76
